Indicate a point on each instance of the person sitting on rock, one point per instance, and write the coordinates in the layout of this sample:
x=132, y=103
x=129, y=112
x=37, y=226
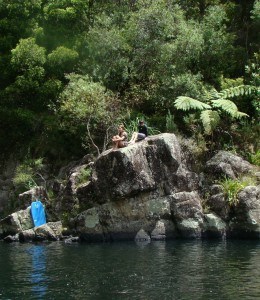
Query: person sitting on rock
x=141, y=134
x=120, y=140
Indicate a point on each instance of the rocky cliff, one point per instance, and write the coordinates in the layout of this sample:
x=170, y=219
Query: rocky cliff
x=146, y=191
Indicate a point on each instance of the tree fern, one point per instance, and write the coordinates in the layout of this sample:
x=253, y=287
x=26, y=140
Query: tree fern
x=210, y=120
x=215, y=100
x=186, y=103
x=240, y=114
x=236, y=91
x=226, y=105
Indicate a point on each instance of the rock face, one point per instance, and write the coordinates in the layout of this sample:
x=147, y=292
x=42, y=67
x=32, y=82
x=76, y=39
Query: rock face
x=135, y=188
x=147, y=189
x=152, y=165
x=146, y=192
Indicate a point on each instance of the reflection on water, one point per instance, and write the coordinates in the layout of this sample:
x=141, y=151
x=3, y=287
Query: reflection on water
x=169, y=270
x=38, y=276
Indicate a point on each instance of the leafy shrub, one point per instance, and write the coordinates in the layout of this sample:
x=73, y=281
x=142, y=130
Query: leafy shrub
x=132, y=126
x=232, y=187
x=26, y=174
x=170, y=124
x=83, y=176
x=255, y=158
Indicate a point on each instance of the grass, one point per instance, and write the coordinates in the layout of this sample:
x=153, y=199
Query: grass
x=232, y=187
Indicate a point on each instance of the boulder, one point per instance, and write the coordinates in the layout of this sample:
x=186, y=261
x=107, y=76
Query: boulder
x=11, y=238
x=147, y=186
x=151, y=165
x=246, y=220
x=72, y=239
x=227, y=164
x=142, y=236
x=16, y=222
x=27, y=236
x=187, y=213
x=217, y=202
x=50, y=231
x=45, y=232
x=214, y=226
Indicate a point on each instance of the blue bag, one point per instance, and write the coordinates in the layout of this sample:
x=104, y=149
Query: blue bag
x=38, y=213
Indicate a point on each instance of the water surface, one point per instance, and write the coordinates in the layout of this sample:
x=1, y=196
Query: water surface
x=159, y=270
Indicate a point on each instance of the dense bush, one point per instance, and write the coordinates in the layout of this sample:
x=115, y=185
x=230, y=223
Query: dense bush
x=71, y=70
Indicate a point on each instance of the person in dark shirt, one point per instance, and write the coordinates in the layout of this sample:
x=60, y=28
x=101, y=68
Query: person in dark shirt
x=141, y=134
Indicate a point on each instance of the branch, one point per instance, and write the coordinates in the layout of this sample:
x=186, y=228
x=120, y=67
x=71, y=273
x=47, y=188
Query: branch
x=89, y=135
x=106, y=138
x=42, y=179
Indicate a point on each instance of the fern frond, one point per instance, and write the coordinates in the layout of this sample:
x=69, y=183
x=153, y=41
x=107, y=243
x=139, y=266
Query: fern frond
x=210, y=120
x=226, y=105
x=236, y=91
x=186, y=103
x=213, y=94
x=240, y=114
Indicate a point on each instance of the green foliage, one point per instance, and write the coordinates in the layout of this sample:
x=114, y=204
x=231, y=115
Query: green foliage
x=170, y=124
x=83, y=99
x=228, y=106
x=187, y=103
x=26, y=173
x=62, y=60
x=210, y=118
x=131, y=125
x=231, y=188
x=27, y=55
x=148, y=53
x=85, y=103
x=83, y=176
x=255, y=14
x=255, y=158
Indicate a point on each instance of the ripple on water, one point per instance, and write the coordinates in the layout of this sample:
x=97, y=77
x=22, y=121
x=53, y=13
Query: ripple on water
x=166, y=270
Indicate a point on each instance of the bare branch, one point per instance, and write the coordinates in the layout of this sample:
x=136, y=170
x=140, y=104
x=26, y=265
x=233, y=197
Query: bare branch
x=106, y=138
x=89, y=135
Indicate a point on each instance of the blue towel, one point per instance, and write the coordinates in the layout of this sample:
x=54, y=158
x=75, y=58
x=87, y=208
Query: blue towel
x=38, y=213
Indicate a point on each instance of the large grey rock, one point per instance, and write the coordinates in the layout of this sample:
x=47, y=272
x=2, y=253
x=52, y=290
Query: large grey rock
x=25, y=218
x=218, y=202
x=48, y=232
x=214, y=226
x=123, y=219
x=159, y=231
x=16, y=222
x=142, y=236
x=10, y=225
x=227, y=164
x=27, y=236
x=147, y=166
x=45, y=232
x=187, y=213
x=246, y=220
x=67, y=195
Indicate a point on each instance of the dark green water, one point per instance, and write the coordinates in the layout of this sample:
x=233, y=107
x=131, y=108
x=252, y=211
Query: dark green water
x=160, y=270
